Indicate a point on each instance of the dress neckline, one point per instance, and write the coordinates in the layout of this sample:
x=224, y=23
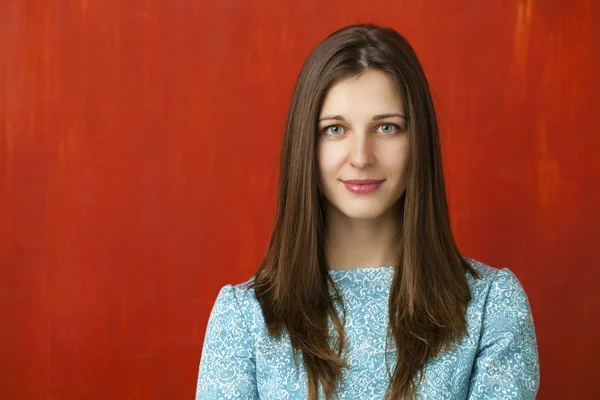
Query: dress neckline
x=361, y=269
x=360, y=274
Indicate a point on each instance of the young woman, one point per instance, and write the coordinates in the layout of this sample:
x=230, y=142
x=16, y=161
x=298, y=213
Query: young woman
x=363, y=293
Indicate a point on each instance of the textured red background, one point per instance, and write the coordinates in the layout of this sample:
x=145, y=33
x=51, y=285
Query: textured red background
x=138, y=162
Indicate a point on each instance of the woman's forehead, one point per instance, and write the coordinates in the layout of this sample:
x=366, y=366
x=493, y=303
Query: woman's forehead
x=368, y=94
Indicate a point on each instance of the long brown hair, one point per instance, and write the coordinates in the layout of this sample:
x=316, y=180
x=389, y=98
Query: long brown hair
x=429, y=292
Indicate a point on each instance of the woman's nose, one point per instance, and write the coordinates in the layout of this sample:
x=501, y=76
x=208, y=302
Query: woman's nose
x=361, y=154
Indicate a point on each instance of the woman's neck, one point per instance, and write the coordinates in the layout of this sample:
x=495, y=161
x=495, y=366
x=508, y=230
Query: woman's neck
x=353, y=243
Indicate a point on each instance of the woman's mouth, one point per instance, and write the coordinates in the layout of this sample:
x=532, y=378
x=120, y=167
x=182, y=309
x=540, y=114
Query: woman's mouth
x=362, y=186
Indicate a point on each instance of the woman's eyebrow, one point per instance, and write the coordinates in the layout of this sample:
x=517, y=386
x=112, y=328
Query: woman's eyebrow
x=389, y=115
x=375, y=118
x=335, y=117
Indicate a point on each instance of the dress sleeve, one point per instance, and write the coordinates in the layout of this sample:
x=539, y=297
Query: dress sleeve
x=507, y=364
x=227, y=368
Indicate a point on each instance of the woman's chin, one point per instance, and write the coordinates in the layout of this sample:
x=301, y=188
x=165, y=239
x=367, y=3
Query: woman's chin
x=363, y=213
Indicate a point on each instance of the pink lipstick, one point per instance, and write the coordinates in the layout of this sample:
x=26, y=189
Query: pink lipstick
x=362, y=186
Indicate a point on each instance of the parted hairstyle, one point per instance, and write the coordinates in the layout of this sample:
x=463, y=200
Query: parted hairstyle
x=429, y=292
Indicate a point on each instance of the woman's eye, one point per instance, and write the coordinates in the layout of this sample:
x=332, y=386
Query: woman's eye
x=389, y=128
x=334, y=130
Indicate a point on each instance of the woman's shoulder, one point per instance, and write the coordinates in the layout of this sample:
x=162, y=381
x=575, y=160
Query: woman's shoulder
x=239, y=300
x=497, y=295
x=242, y=293
x=489, y=277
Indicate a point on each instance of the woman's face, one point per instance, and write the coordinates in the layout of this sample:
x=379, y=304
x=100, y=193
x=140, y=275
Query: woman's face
x=363, y=146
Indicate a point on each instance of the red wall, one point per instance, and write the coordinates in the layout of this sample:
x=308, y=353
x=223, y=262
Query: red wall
x=138, y=161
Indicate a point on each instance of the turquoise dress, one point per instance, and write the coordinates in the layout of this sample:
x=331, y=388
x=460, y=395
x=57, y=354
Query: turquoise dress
x=498, y=359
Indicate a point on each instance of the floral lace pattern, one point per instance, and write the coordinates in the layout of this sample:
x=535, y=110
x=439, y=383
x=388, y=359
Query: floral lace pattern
x=498, y=359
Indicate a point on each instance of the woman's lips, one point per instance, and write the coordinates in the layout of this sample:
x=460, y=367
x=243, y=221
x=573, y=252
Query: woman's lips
x=363, y=186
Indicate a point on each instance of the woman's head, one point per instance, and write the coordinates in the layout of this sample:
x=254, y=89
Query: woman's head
x=362, y=109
